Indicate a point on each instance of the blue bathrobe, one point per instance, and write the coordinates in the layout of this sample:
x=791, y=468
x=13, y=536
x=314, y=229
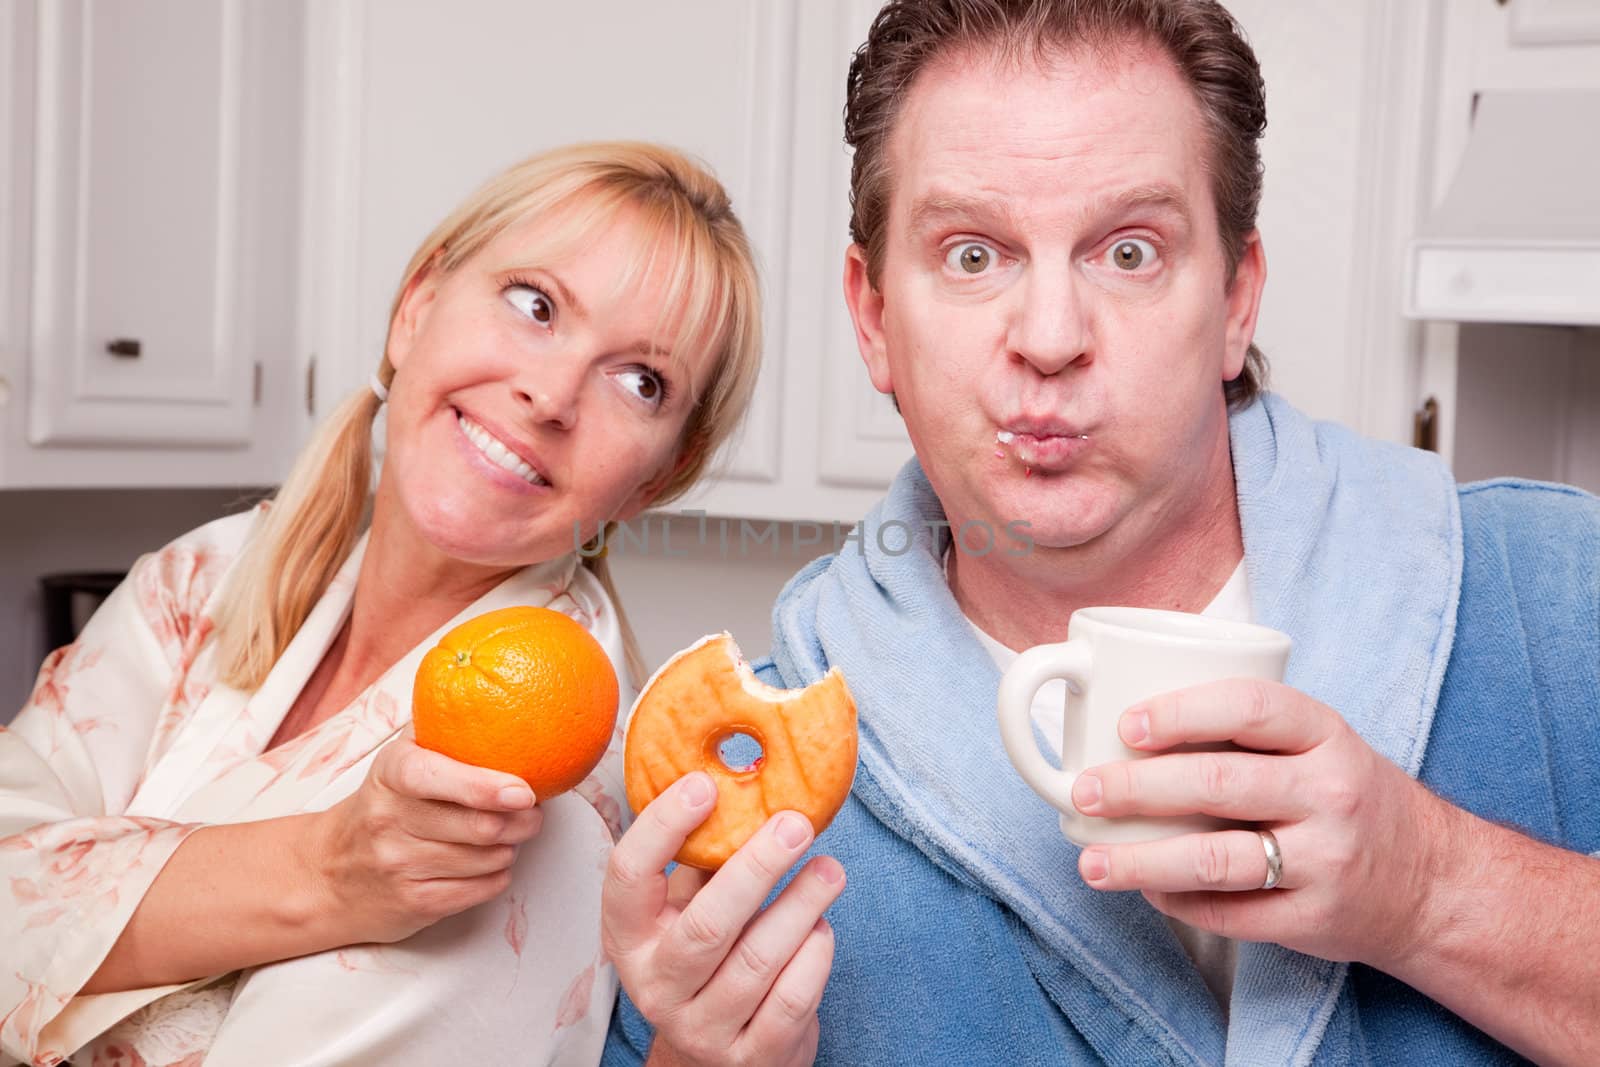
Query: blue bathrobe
x=1456, y=628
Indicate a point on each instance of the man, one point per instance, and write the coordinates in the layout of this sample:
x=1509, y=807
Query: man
x=1056, y=273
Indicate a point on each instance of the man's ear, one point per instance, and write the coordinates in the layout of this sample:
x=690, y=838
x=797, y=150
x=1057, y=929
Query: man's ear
x=866, y=311
x=412, y=313
x=1244, y=302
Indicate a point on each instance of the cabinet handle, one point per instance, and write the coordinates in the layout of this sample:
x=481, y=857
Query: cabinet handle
x=126, y=347
x=1425, y=426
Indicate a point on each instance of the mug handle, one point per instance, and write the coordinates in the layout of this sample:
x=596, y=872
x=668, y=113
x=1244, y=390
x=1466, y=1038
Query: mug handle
x=1069, y=661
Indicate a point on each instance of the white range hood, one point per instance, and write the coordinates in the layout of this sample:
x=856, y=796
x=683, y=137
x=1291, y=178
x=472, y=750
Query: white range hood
x=1517, y=237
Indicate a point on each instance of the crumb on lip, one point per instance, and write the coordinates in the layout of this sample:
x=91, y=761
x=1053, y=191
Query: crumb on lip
x=1006, y=437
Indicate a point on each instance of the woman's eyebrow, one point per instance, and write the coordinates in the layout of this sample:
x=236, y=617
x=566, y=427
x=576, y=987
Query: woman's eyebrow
x=649, y=348
x=568, y=299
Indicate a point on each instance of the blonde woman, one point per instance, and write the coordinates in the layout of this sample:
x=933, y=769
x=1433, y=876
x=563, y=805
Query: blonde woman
x=217, y=840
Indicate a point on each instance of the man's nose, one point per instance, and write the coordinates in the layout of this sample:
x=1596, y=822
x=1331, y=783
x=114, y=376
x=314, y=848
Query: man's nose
x=1050, y=327
x=549, y=391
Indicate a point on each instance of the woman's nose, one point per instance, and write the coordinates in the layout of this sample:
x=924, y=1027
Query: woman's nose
x=550, y=396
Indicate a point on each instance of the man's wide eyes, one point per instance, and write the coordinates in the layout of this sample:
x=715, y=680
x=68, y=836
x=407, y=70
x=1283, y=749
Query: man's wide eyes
x=971, y=257
x=1131, y=254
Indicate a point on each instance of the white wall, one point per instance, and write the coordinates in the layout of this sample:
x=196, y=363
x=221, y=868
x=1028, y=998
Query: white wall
x=672, y=601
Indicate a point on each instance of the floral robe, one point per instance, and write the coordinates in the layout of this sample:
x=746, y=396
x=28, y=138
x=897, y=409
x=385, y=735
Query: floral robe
x=130, y=743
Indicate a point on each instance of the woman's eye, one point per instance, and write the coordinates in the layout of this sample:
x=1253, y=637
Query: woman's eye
x=971, y=257
x=646, y=384
x=532, y=303
x=1132, y=253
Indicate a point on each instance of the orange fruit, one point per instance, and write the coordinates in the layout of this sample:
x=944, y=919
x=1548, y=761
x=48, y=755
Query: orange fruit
x=522, y=690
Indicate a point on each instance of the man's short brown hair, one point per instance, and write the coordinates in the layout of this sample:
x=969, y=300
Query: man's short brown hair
x=1200, y=36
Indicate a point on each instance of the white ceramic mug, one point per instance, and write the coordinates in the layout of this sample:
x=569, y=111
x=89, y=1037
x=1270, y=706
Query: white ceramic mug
x=1112, y=659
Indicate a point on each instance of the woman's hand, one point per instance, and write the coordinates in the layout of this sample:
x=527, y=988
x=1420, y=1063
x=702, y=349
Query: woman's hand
x=424, y=837
x=722, y=980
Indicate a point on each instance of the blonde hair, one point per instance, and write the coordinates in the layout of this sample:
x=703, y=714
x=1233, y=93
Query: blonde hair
x=713, y=297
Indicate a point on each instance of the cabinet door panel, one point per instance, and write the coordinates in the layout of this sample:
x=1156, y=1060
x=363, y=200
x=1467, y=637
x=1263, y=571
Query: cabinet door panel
x=841, y=441
x=15, y=80
x=138, y=186
x=1555, y=22
x=862, y=440
x=1529, y=44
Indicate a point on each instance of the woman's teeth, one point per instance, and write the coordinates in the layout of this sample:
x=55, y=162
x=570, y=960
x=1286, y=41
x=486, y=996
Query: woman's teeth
x=498, y=453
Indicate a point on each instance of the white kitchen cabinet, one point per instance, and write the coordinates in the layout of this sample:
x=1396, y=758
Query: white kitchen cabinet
x=1478, y=48
x=1563, y=22
x=151, y=177
x=842, y=441
x=861, y=440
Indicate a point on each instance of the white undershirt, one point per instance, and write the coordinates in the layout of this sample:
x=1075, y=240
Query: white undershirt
x=1214, y=956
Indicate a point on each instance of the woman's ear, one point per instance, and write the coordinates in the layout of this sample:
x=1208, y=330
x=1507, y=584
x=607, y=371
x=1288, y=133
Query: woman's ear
x=411, y=314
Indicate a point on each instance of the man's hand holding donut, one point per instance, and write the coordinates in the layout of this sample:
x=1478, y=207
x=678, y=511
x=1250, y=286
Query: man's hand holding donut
x=722, y=979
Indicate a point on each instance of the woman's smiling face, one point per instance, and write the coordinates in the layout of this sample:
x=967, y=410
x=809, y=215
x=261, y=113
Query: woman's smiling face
x=535, y=395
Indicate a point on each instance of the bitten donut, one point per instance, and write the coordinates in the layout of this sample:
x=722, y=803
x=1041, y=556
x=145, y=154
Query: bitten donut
x=705, y=695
